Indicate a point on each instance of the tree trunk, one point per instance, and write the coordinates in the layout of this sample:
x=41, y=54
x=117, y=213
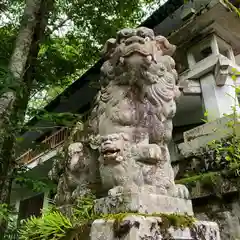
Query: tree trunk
x=20, y=53
x=14, y=102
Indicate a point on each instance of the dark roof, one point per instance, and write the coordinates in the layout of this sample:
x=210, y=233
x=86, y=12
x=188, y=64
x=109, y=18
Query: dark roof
x=158, y=16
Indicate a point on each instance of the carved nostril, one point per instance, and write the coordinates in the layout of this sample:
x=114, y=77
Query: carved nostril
x=128, y=42
x=134, y=39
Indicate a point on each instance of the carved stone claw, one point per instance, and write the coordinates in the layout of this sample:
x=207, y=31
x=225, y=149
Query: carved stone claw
x=116, y=191
x=181, y=191
x=155, y=153
x=150, y=153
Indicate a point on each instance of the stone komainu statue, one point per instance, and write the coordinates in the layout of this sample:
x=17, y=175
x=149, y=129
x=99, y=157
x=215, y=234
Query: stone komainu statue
x=72, y=175
x=133, y=114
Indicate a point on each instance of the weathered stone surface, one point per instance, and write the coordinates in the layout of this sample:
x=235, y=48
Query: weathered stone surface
x=134, y=112
x=205, y=187
x=205, y=231
x=73, y=175
x=144, y=228
x=131, y=123
x=200, y=69
x=224, y=213
x=143, y=203
x=218, y=126
x=199, y=137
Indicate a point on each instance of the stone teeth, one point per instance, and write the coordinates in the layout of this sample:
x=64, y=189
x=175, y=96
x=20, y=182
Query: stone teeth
x=121, y=60
x=119, y=158
x=149, y=58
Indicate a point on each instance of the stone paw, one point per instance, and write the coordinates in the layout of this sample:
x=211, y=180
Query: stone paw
x=162, y=191
x=181, y=191
x=155, y=153
x=116, y=191
x=79, y=192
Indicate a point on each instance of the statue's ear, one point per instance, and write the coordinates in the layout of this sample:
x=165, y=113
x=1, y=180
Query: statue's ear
x=164, y=45
x=109, y=47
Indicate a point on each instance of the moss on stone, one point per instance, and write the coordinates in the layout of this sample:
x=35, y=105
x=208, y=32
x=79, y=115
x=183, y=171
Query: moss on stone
x=116, y=217
x=168, y=220
x=205, y=178
x=122, y=226
x=176, y=220
x=216, y=183
x=232, y=7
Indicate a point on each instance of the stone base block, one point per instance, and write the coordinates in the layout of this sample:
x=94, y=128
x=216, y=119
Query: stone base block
x=143, y=203
x=151, y=228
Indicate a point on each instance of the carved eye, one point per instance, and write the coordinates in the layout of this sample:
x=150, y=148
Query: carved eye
x=161, y=66
x=122, y=40
x=74, y=153
x=115, y=137
x=141, y=34
x=147, y=36
x=129, y=42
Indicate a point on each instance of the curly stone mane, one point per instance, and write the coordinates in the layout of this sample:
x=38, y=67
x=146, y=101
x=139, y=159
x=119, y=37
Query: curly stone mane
x=140, y=70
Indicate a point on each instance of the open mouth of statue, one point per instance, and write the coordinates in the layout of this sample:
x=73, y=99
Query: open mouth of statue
x=110, y=153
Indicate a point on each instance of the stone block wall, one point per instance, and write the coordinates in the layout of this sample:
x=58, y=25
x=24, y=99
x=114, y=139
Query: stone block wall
x=214, y=190
x=225, y=211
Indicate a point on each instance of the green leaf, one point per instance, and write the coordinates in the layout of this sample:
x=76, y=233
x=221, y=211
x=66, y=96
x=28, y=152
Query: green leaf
x=228, y=158
x=234, y=77
x=19, y=139
x=206, y=113
x=237, y=90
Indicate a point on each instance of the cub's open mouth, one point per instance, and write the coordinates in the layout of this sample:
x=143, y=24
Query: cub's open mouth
x=110, y=153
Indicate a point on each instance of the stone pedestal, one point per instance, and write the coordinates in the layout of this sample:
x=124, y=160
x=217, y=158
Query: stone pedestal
x=167, y=215
x=151, y=228
x=143, y=203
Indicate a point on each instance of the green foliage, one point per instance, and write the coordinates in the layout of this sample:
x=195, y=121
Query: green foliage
x=9, y=214
x=75, y=34
x=7, y=36
x=84, y=211
x=232, y=7
x=4, y=212
x=36, y=185
x=227, y=153
x=64, y=119
x=52, y=225
x=12, y=229
x=33, y=183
